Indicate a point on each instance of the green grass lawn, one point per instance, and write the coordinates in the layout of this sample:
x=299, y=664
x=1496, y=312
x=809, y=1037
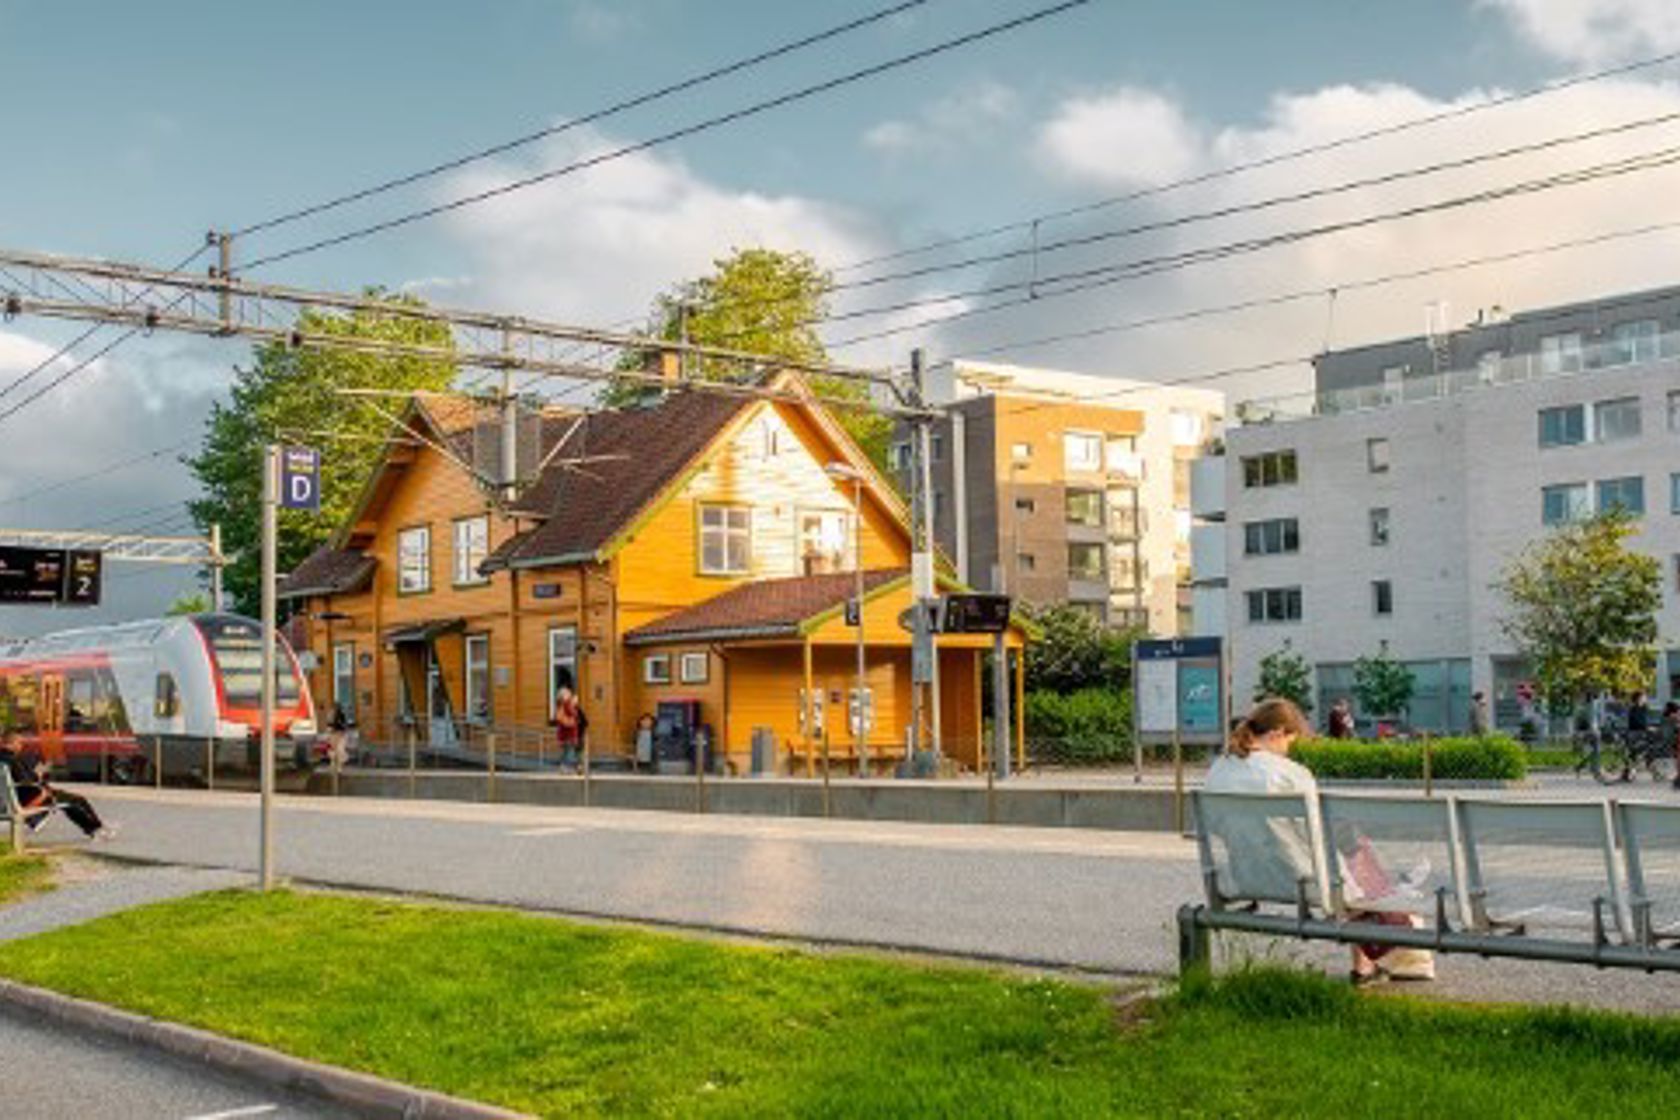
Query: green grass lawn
x=22, y=875
x=565, y=1019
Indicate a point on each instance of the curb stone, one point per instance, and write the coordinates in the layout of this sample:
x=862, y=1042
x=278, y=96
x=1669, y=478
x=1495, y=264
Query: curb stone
x=363, y=1093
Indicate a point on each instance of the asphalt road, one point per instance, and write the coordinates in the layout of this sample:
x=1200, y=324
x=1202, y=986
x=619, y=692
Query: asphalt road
x=1077, y=899
x=60, y=1076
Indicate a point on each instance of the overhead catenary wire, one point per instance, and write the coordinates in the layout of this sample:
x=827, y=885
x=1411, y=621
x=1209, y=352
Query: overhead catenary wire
x=695, y=128
x=602, y=113
x=96, y=473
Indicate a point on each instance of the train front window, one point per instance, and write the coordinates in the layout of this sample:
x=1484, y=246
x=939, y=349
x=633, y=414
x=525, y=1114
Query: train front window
x=236, y=646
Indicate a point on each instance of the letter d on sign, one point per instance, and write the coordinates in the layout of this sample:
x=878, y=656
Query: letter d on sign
x=300, y=478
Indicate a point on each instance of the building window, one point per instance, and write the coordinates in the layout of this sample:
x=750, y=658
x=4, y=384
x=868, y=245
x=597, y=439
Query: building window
x=1561, y=353
x=1616, y=420
x=1274, y=604
x=472, y=548
x=1677, y=573
x=656, y=668
x=1085, y=562
x=1026, y=562
x=1674, y=410
x=1125, y=461
x=1188, y=428
x=1275, y=468
x=1564, y=426
x=562, y=663
x=344, y=678
x=1025, y=505
x=1379, y=526
x=1382, y=597
x=1020, y=452
x=725, y=540
x=1561, y=505
x=1376, y=455
x=937, y=441
x=694, y=668
x=1083, y=451
x=1268, y=538
x=1489, y=365
x=901, y=456
x=1085, y=507
x=478, y=677
x=825, y=542
x=1625, y=494
x=1674, y=493
x=1639, y=341
x=414, y=560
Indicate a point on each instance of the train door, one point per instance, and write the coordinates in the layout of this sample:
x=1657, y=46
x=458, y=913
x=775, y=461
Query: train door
x=51, y=718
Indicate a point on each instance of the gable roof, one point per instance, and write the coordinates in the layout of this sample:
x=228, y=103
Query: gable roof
x=328, y=571
x=766, y=608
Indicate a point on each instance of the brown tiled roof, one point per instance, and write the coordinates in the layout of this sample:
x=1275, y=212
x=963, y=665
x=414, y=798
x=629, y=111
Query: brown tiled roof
x=328, y=571
x=761, y=609
x=609, y=471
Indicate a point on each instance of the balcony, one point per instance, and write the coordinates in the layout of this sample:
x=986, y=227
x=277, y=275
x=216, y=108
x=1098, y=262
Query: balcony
x=1207, y=487
x=1609, y=354
x=1207, y=554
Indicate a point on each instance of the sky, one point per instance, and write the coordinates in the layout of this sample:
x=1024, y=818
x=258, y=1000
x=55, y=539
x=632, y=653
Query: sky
x=134, y=129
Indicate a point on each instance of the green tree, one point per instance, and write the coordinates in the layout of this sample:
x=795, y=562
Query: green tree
x=1582, y=608
x=767, y=302
x=1074, y=651
x=193, y=602
x=1285, y=675
x=1382, y=685
x=294, y=396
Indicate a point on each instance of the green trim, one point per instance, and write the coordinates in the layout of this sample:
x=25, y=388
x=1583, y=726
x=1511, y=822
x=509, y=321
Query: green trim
x=820, y=619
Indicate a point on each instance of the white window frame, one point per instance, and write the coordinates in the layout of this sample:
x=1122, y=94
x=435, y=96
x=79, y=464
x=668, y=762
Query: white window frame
x=1284, y=596
x=1617, y=407
x=1567, y=411
x=471, y=699
x=341, y=672
x=555, y=659
x=725, y=532
x=845, y=560
x=1561, y=352
x=1578, y=511
x=468, y=556
x=1637, y=340
x=408, y=564
x=1020, y=452
x=1091, y=442
x=656, y=668
x=687, y=674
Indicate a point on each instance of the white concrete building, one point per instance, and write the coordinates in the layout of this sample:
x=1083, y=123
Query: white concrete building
x=1385, y=507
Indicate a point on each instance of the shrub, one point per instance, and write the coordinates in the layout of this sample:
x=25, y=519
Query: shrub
x=1491, y=758
x=1092, y=725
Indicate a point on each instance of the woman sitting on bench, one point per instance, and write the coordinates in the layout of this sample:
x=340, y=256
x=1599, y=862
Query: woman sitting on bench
x=36, y=795
x=1259, y=762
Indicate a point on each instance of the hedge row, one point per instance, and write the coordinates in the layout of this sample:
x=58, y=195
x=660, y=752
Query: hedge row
x=1092, y=725
x=1490, y=758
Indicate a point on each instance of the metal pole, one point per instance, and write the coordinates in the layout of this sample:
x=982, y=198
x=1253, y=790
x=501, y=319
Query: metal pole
x=862, y=654
x=826, y=805
x=490, y=752
x=413, y=749
x=1178, y=782
x=1000, y=705
x=265, y=768
x=217, y=562
x=157, y=767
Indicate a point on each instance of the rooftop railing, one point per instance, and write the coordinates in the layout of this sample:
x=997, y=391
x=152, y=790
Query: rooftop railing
x=1609, y=354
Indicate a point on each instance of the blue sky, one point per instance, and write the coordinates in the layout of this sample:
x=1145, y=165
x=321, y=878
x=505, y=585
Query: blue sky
x=133, y=128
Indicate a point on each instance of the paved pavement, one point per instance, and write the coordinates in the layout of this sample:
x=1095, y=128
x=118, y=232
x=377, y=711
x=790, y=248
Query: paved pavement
x=57, y=1075
x=1079, y=899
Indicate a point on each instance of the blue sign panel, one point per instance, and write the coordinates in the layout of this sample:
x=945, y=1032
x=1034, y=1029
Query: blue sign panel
x=1198, y=698
x=300, y=478
x=1176, y=649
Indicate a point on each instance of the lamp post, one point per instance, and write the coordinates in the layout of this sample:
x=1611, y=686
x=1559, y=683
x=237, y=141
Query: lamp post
x=845, y=472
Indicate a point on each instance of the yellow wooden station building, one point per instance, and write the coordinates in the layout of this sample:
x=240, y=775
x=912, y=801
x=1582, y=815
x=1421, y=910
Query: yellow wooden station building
x=701, y=547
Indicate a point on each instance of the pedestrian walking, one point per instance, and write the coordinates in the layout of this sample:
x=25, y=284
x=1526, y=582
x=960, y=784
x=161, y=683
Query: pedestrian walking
x=1339, y=723
x=1478, y=714
x=570, y=724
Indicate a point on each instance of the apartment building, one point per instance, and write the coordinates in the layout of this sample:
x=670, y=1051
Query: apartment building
x=1383, y=507
x=1065, y=487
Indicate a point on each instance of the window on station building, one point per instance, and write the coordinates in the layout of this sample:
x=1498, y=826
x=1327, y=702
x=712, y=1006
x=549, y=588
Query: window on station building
x=656, y=668
x=725, y=540
x=414, y=560
x=826, y=542
x=694, y=667
x=478, y=678
x=344, y=678
x=472, y=548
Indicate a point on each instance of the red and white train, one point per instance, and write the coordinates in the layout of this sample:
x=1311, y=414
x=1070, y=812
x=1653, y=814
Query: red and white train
x=165, y=691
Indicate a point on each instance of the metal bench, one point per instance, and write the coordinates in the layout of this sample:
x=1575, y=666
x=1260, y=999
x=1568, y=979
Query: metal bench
x=1528, y=880
x=15, y=815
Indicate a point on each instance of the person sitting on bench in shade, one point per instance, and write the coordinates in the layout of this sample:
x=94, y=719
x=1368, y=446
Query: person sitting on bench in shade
x=38, y=797
x=1259, y=762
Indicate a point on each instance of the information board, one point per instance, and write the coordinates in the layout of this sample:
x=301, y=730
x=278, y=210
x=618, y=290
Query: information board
x=50, y=576
x=1179, y=689
x=1157, y=697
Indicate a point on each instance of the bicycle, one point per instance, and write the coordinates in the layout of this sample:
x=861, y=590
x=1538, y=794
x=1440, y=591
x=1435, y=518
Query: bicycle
x=1605, y=753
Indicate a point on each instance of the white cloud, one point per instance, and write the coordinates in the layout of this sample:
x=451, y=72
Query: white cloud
x=1126, y=137
x=1295, y=121
x=967, y=117
x=1595, y=31
x=601, y=245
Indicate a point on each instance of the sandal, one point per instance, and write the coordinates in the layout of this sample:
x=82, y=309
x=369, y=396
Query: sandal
x=1366, y=979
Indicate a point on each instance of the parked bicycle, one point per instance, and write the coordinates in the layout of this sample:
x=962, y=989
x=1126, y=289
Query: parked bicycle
x=1615, y=754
